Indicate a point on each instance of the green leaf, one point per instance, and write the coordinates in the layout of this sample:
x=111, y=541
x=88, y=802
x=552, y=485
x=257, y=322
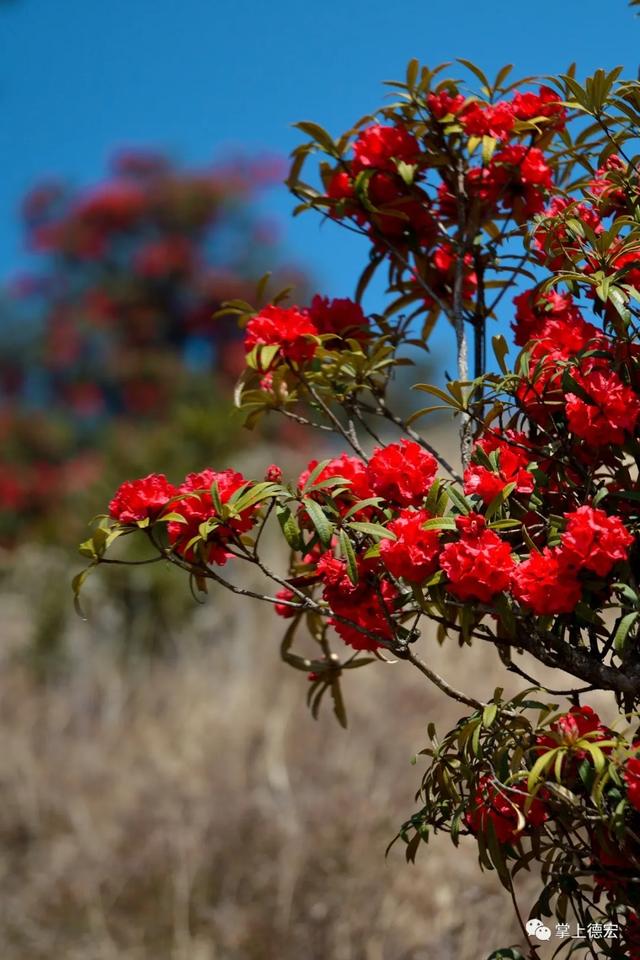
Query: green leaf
x=437, y=392
x=489, y=714
x=372, y=529
x=76, y=586
x=476, y=71
x=290, y=527
x=440, y=523
x=347, y=551
x=323, y=526
x=500, y=499
x=361, y=505
x=313, y=476
x=540, y=767
x=319, y=134
x=256, y=494
x=622, y=630
x=500, y=349
x=459, y=499
x=338, y=703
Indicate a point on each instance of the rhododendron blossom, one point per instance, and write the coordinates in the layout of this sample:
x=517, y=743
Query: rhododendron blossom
x=144, y=499
x=413, y=555
x=196, y=506
x=502, y=808
x=594, y=540
x=547, y=582
x=290, y=329
x=402, y=473
x=479, y=564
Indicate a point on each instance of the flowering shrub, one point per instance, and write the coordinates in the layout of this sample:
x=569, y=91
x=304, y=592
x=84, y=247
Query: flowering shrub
x=530, y=548
x=113, y=334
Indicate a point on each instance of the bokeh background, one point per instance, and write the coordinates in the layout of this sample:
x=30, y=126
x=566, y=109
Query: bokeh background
x=164, y=792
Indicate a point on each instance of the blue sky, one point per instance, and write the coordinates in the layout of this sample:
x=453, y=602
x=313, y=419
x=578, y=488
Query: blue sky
x=80, y=77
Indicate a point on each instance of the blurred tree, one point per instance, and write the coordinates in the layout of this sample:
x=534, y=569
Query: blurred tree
x=109, y=351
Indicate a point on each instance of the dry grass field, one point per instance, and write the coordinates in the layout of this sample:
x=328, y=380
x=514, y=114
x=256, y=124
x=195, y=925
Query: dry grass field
x=187, y=807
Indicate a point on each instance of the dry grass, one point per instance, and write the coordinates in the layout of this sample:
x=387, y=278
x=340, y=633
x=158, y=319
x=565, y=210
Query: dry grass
x=190, y=808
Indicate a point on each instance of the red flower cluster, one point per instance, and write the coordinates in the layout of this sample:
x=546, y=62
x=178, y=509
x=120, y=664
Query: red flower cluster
x=139, y=500
x=488, y=120
x=595, y=541
x=196, y=506
x=413, y=555
x=351, y=469
x=606, y=187
x=511, y=462
x=504, y=809
x=382, y=148
x=479, y=564
x=295, y=329
x=605, y=412
x=534, y=310
x=367, y=604
x=402, y=473
x=289, y=328
x=547, y=583
x=340, y=317
x=556, y=242
x=579, y=723
x=516, y=180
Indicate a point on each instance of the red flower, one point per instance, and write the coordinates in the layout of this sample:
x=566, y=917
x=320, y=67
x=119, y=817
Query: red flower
x=530, y=106
x=142, y=499
x=368, y=606
x=414, y=554
x=512, y=461
x=517, y=178
x=488, y=120
x=440, y=275
x=289, y=327
x=610, y=413
x=381, y=147
x=163, y=258
x=402, y=473
x=594, y=540
x=575, y=725
x=273, y=474
x=340, y=186
x=198, y=507
x=631, y=777
x=283, y=609
x=503, y=807
x=479, y=564
x=341, y=317
x=444, y=104
x=569, y=729
x=352, y=469
x=116, y=205
x=547, y=583
x=534, y=309
x=560, y=340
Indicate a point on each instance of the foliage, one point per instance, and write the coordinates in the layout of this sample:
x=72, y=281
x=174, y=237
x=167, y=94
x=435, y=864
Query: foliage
x=465, y=190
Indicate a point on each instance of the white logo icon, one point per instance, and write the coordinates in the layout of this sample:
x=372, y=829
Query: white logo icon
x=537, y=929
